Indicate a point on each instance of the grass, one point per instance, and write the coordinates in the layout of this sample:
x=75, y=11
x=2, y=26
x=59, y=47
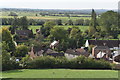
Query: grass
x=59, y=73
x=83, y=28
x=34, y=28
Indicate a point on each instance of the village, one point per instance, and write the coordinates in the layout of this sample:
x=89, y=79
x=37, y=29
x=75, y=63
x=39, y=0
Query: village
x=101, y=49
x=60, y=43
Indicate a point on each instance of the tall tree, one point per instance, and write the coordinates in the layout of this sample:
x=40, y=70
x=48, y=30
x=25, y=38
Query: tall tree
x=93, y=24
x=94, y=20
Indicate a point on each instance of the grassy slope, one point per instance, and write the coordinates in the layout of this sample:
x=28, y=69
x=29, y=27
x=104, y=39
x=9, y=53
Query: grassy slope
x=60, y=73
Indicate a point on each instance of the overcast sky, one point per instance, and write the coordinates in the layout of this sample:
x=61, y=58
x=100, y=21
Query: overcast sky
x=60, y=4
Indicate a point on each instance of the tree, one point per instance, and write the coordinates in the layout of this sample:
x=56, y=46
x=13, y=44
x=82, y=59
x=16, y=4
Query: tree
x=70, y=22
x=109, y=23
x=14, y=25
x=50, y=24
x=79, y=22
x=7, y=59
x=58, y=22
x=76, y=37
x=7, y=38
x=39, y=36
x=21, y=51
x=45, y=29
x=24, y=23
x=58, y=33
x=93, y=23
x=92, y=30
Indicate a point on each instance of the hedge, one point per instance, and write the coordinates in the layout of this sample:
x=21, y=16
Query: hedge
x=80, y=62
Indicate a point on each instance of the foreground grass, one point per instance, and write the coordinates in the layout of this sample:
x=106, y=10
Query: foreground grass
x=59, y=73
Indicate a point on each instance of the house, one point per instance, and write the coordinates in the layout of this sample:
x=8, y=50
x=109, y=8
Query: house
x=54, y=44
x=112, y=44
x=73, y=53
x=23, y=35
x=36, y=52
x=101, y=52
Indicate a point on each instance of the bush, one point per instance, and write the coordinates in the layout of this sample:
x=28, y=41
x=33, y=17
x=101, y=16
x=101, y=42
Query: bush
x=8, y=63
x=80, y=62
x=24, y=61
x=21, y=51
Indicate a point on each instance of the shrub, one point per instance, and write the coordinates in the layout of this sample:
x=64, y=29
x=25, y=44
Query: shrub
x=24, y=61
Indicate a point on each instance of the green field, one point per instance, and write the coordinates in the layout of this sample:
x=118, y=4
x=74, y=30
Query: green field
x=59, y=73
x=83, y=28
x=64, y=19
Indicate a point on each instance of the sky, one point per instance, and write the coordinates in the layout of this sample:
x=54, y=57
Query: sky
x=60, y=4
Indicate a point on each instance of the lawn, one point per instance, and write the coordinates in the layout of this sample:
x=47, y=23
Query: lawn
x=59, y=73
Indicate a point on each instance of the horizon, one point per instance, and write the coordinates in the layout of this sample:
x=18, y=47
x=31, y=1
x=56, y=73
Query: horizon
x=64, y=8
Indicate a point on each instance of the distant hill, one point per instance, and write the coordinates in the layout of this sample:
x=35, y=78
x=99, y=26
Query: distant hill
x=70, y=11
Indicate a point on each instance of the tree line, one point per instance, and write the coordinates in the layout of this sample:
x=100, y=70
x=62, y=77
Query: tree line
x=82, y=22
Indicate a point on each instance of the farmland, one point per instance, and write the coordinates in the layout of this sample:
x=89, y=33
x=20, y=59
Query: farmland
x=51, y=16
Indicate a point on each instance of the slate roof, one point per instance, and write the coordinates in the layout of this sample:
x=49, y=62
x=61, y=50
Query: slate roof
x=53, y=53
x=101, y=47
x=56, y=54
x=109, y=43
x=78, y=52
x=23, y=32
